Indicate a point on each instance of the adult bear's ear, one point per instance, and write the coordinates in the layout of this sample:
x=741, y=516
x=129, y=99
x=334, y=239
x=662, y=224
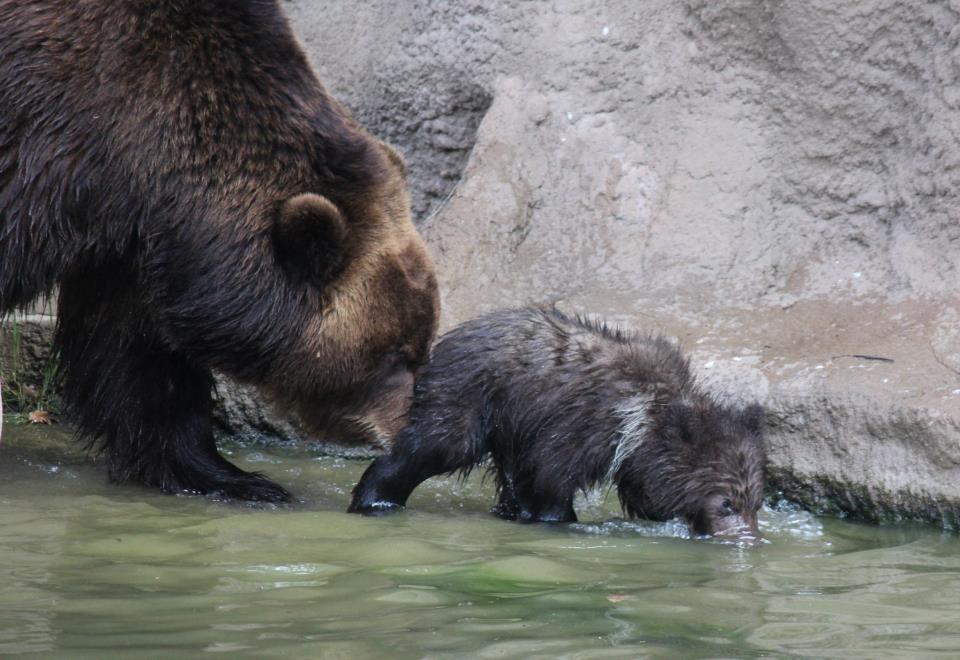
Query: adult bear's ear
x=395, y=157
x=310, y=236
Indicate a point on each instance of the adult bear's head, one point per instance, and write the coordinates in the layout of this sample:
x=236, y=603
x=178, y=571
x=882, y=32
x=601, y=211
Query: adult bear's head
x=355, y=261
x=275, y=239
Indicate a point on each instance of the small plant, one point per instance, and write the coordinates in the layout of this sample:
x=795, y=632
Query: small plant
x=22, y=400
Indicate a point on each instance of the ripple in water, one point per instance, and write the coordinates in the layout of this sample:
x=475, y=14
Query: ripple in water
x=87, y=566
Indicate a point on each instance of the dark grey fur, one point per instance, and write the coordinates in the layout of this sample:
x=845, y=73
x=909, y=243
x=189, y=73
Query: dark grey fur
x=562, y=404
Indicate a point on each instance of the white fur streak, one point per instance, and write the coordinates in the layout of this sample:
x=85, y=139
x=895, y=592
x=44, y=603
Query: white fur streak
x=634, y=418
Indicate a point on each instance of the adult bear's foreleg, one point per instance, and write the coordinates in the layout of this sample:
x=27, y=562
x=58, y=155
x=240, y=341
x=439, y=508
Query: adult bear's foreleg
x=146, y=407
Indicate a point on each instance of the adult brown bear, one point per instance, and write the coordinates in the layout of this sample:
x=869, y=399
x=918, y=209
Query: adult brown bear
x=203, y=204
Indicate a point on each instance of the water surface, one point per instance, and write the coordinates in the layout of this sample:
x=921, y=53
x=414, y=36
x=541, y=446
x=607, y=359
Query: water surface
x=92, y=570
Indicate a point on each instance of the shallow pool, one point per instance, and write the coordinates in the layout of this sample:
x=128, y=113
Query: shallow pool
x=89, y=569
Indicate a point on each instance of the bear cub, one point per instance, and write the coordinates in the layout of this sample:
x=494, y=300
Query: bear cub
x=562, y=404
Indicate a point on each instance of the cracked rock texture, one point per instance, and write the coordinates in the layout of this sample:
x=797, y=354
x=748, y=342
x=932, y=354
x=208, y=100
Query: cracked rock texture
x=774, y=184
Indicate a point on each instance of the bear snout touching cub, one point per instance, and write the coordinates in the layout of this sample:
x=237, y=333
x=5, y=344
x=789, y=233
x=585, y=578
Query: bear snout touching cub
x=560, y=404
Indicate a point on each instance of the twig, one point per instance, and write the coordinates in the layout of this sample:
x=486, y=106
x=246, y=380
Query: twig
x=859, y=356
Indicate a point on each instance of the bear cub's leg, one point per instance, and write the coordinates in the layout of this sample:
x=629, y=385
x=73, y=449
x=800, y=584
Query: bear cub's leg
x=517, y=501
x=388, y=482
x=148, y=407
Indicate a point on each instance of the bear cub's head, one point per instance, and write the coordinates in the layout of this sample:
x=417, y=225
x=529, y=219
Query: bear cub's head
x=707, y=462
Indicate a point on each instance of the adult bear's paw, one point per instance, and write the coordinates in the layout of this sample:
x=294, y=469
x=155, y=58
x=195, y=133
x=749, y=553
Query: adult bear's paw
x=231, y=483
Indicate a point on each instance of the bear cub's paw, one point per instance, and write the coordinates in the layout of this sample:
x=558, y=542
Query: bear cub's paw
x=374, y=509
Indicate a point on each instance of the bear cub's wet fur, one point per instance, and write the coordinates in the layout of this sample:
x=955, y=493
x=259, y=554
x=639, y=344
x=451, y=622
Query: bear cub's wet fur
x=561, y=404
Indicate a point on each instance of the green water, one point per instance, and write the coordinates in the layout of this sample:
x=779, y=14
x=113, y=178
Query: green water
x=89, y=569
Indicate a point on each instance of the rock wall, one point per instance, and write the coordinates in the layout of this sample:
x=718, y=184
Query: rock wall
x=772, y=183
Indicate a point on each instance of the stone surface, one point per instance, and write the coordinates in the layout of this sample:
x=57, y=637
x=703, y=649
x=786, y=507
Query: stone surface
x=773, y=184
x=241, y=415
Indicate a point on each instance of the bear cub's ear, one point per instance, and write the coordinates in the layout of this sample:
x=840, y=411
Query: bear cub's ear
x=310, y=236
x=753, y=417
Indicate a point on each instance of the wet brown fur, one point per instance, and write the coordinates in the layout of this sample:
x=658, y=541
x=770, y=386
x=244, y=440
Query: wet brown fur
x=148, y=149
